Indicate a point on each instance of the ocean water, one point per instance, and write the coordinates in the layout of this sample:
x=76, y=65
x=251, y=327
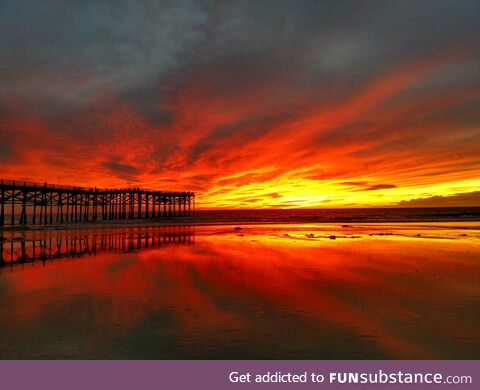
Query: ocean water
x=306, y=215
x=347, y=215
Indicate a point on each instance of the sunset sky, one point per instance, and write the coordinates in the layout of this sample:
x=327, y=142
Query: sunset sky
x=248, y=103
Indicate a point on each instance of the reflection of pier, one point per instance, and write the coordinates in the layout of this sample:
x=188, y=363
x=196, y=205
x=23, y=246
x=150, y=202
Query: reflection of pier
x=33, y=203
x=50, y=245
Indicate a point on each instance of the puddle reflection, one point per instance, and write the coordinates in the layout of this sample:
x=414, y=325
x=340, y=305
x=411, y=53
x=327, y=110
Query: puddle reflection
x=50, y=245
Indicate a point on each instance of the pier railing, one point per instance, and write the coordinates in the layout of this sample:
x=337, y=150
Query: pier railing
x=48, y=186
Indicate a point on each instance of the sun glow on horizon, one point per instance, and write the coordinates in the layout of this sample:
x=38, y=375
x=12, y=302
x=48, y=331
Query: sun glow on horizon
x=324, y=194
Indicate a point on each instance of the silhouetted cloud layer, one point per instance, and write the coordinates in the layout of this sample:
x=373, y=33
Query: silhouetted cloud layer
x=470, y=198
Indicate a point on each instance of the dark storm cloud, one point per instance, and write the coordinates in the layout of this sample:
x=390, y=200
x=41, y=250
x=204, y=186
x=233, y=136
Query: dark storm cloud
x=70, y=49
x=73, y=51
x=146, y=102
x=192, y=88
x=5, y=153
x=11, y=140
x=120, y=169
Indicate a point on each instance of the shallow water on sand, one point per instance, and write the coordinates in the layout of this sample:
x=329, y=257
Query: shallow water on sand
x=359, y=291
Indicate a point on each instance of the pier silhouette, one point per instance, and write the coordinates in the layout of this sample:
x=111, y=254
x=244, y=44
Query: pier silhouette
x=25, y=203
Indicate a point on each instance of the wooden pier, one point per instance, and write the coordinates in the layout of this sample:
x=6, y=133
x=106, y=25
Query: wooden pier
x=24, y=203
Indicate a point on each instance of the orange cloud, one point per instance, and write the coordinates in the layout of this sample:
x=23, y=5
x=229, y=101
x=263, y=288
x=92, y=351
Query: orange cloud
x=255, y=146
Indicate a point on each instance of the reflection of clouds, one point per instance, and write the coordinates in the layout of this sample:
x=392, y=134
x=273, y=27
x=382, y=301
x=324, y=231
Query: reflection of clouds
x=256, y=295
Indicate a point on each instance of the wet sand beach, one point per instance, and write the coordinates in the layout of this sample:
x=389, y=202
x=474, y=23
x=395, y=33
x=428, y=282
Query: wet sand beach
x=296, y=291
